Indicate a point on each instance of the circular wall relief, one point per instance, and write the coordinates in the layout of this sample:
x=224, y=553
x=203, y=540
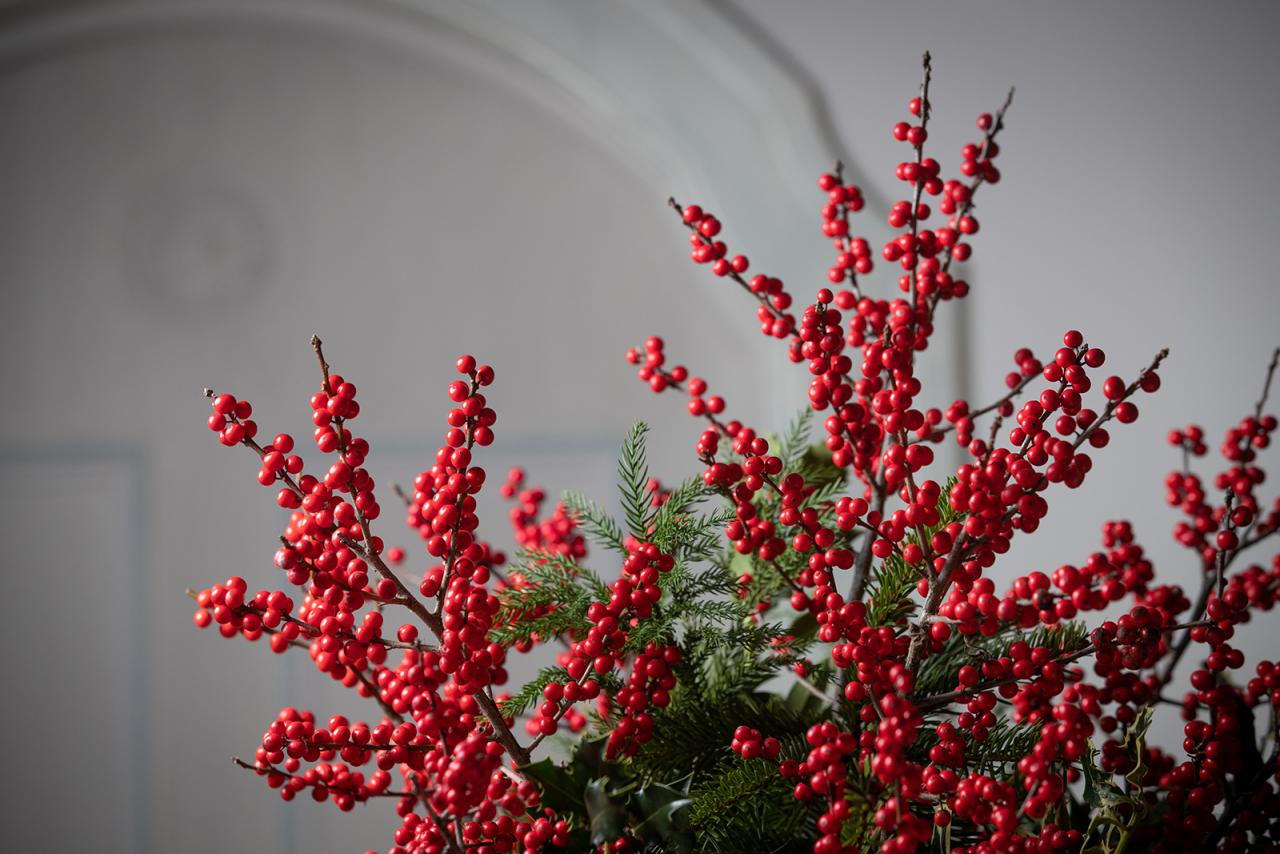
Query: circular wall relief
x=194, y=242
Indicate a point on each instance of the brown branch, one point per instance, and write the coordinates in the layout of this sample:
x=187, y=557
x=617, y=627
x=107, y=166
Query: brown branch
x=1129, y=391
x=1214, y=582
x=376, y=694
x=1222, y=561
x=927, y=61
x=262, y=772
x=311, y=633
x=997, y=125
x=933, y=602
x=442, y=825
x=978, y=413
x=862, y=565
x=763, y=299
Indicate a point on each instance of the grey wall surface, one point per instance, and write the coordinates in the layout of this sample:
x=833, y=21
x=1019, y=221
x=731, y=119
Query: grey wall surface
x=190, y=188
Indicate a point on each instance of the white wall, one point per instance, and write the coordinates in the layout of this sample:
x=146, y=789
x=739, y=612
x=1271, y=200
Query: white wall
x=190, y=189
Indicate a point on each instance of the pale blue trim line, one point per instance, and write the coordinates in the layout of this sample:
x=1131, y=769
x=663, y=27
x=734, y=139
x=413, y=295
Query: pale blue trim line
x=133, y=457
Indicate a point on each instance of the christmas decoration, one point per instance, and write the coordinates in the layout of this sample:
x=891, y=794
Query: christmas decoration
x=801, y=647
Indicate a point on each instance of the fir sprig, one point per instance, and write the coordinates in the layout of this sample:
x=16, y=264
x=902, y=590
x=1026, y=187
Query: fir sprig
x=598, y=525
x=633, y=480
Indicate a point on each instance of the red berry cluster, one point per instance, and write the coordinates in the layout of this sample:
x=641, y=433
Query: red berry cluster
x=456, y=791
x=944, y=702
x=557, y=533
x=707, y=249
x=648, y=686
x=750, y=744
x=853, y=254
x=878, y=431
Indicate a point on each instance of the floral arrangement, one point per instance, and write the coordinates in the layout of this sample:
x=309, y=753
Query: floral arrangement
x=800, y=648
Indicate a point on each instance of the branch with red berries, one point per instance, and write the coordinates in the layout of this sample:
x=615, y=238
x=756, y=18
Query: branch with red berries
x=800, y=646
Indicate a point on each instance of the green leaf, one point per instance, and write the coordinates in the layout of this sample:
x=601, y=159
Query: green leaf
x=589, y=755
x=679, y=503
x=608, y=819
x=888, y=594
x=749, y=806
x=1134, y=745
x=939, y=672
x=562, y=787
x=1099, y=787
x=663, y=815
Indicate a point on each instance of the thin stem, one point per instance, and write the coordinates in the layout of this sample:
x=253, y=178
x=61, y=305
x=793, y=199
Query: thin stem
x=262, y=772
x=1214, y=582
x=1266, y=386
x=310, y=633
x=997, y=125
x=991, y=407
x=862, y=566
x=761, y=298
x=451, y=840
x=376, y=694
x=920, y=181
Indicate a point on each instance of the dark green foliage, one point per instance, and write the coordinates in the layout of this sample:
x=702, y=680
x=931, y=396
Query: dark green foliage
x=557, y=591
x=794, y=443
x=685, y=790
x=531, y=693
x=730, y=651
x=889, y=592
x=1116, y=809
x=750, y=807
x=605, y=800
x=1007, y=742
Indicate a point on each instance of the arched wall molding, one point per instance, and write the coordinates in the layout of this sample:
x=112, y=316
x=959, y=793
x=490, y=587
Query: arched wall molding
x=691, y=98
x=550, y=50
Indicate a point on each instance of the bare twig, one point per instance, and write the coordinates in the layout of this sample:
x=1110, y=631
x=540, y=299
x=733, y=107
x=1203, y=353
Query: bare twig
x=1266, y=386
x=262, y=772
x=762, y=298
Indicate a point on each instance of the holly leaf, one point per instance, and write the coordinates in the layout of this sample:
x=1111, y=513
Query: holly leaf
x=608, y=818
x=1134, y=746
x=589, y=755
x=1099, y=788
x=562, y=788
x=664, y=816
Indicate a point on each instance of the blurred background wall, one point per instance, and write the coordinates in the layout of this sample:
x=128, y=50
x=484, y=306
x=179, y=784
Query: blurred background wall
x=191, y=188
